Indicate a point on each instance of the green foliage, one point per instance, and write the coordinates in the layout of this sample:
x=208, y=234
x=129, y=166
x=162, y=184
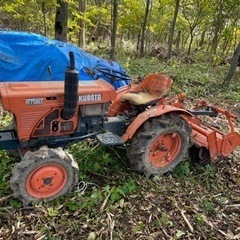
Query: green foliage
x=207, y=175
x=131, y=16
x=199, y=218
x=91, y=199
x=88, y=201
x=231, y=92
x=6, y=164
x=196, y=20
x=95, y=158
x=5, y=120
x=183, y=170
x=209, y=171
x=52, y=212
x=14, y=203
x=122, y=191
x=140, y=225
x=209, y=207
x=35, y=16
x=164, y=221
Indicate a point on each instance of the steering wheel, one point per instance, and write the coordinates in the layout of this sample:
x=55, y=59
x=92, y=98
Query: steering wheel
x=113, y=74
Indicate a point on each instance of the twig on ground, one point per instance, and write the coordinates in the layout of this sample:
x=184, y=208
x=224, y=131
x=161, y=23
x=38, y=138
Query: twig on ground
x=213, y=227
x=111, y=224
x=233, y=206
x=6, y=197
x=104, y=203
x=184, y=217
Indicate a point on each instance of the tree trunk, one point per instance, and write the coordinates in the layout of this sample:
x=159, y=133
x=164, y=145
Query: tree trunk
x=178, y=41
x=61, y=21
x=217, y=29
x=138, y=40
x=114, y=30
x=202, y=40
x=233, y=65
x=43, y=7
x=215, y=39
x=190, y=43
x=142, y=41
x=170, y=40
x=82, y=30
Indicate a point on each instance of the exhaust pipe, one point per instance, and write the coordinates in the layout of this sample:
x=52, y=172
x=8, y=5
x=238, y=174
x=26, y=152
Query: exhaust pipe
x=70, y=89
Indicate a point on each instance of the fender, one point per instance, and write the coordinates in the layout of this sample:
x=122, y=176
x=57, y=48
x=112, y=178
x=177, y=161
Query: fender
x=151, y=112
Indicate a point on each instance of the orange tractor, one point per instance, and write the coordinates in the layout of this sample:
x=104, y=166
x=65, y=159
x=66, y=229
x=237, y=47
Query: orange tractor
x=159, y=132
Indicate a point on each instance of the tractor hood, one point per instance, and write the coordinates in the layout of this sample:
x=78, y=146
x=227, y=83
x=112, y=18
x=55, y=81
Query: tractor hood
x=22, y=95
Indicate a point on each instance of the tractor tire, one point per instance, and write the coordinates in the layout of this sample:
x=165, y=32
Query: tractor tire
x=45, y=174
x=160, y=145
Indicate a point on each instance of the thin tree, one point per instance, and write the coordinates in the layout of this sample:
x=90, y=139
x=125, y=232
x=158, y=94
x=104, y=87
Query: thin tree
x=114, y=29
x=170, y=40
x=82, y=30
x=224, y=11
x=233, y=66
x=142, y=41
x=43, y=7
x=218, y=25
x=194, y=16
x=61, y=21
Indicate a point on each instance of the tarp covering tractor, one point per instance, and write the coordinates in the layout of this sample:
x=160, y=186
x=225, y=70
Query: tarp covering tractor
x=32, y=57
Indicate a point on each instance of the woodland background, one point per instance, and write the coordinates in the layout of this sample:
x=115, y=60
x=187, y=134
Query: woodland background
x=165, y=28
x=195, y=42
x=186, y=26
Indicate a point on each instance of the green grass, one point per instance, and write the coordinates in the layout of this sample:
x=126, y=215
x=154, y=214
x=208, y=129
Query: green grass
x=196, y=80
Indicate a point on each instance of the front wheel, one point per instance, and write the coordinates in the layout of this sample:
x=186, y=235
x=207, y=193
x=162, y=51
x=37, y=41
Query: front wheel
x=160, y=145
x=45, y=174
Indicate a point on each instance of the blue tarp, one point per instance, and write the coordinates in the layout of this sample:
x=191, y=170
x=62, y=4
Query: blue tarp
x=32, y=57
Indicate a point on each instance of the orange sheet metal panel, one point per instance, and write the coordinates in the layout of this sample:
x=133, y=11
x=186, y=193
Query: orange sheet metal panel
x=15, y=95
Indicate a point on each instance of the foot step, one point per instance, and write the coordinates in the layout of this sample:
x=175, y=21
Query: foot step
x=109, y=138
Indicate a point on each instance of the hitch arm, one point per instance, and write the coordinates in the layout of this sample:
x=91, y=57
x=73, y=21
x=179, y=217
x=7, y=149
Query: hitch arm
x=208, y=112
x=213, y=111
x=228, y=116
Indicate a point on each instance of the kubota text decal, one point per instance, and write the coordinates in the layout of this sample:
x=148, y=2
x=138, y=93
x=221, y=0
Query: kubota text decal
x=90, y=98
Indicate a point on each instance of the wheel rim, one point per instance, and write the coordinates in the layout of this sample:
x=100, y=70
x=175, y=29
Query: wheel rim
x=164, y=149
x=46, y=180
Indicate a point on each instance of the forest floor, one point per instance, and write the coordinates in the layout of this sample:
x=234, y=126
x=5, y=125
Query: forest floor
x=113, y=202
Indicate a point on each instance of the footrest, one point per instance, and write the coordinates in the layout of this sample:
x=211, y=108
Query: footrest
x=8, y=140
x=110, y=139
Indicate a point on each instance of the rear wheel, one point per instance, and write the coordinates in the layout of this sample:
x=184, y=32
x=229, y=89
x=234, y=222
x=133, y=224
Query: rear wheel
x=45, y=174
x=160, y=145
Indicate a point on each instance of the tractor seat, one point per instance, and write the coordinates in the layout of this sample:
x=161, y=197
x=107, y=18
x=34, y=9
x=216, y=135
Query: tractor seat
x=138, y=98
x=154, y=87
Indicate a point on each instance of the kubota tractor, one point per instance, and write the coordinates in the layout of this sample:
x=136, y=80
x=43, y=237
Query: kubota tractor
x=159, y=132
